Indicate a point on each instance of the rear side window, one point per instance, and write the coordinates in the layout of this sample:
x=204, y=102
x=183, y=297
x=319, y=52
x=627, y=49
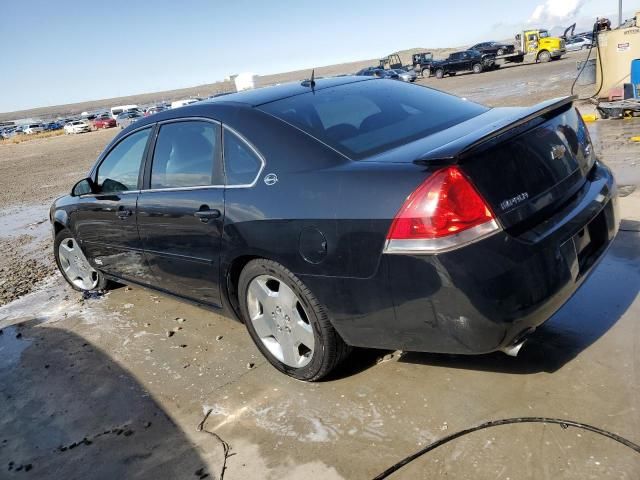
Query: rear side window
x=184, y=154
x=364, y=118
x=120, y=169
x=242, y=164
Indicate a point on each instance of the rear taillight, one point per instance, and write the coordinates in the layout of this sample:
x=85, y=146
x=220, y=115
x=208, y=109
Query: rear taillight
x=444, y=213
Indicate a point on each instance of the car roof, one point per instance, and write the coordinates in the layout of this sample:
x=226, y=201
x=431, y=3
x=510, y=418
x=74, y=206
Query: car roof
x=264, y=95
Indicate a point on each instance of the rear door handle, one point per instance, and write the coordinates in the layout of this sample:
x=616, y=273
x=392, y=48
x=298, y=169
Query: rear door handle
x=205, y=214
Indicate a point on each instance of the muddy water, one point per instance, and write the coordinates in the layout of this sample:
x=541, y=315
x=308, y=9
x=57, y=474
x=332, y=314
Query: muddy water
x=612, y=140
x=25, y=233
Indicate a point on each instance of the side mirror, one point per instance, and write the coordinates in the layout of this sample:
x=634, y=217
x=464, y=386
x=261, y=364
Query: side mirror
x=83, y=187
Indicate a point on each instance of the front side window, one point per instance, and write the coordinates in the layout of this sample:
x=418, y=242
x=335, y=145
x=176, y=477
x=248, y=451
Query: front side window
x=184, y=154
x=242, y=164
x=119, y=171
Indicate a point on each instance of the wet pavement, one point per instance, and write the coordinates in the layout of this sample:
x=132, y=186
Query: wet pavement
x=115, y=385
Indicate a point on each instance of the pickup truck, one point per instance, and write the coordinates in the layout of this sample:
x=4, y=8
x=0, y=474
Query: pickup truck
x=466, y=61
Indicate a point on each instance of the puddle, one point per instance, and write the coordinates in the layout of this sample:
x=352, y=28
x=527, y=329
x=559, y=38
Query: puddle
x=30, y=219
x=12, y=344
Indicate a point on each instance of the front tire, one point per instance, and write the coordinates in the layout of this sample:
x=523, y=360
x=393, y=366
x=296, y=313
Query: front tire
x=74, y=266
x=287, y=323
x=544, y=57
x=439, y=73
x=477, y=68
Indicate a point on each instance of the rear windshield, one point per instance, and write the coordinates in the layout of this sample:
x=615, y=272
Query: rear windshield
x=364, y=118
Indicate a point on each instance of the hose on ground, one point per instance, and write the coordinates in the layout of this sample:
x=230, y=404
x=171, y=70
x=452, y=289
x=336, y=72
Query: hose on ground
x=508, y=421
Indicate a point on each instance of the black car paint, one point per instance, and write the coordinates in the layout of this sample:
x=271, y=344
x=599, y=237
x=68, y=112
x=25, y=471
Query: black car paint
x=463, y=62
x=331, y=233
x=493, y=48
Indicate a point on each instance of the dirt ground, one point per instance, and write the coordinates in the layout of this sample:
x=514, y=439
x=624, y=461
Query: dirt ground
x=99, y=387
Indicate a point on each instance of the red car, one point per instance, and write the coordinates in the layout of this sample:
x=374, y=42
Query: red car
x=104, y=122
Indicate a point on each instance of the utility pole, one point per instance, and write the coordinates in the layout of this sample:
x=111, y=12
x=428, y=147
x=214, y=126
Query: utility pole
x=619, y=13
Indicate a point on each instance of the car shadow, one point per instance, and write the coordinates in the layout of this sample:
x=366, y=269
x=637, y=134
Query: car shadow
x=70, y=411
x=586, y=317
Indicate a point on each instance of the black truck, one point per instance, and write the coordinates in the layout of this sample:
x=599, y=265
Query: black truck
x=466, y=61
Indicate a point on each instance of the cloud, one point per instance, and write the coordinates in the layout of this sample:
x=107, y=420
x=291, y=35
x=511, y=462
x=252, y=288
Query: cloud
x=554, y=12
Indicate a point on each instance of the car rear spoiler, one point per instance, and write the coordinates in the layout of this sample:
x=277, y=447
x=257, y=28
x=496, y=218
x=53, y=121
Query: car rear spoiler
x=455, y=150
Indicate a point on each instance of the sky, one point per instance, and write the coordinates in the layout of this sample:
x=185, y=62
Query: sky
x=69, y=51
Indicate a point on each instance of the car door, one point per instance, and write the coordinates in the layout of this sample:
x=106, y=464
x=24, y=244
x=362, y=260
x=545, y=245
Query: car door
x=181, y=209
x=104, y=221
x=466, y=62
x=452, y=63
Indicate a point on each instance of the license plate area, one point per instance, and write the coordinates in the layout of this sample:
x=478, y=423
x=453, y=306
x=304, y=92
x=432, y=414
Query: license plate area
x=590, y=241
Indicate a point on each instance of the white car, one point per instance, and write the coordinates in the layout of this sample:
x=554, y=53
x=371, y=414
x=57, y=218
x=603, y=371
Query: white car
x=77, y=127
x=182, y=103
x=33, y=128
x=578, y=43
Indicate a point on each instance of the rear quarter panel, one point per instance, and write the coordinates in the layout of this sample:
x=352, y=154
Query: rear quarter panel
x=350, y=203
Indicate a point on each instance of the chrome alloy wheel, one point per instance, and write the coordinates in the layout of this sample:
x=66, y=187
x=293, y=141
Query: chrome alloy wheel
x=75, y=265
x=280, y=320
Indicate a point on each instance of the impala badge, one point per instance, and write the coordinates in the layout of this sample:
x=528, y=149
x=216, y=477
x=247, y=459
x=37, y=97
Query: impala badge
x=511, y=202
x=270, y=179
x=558, y=151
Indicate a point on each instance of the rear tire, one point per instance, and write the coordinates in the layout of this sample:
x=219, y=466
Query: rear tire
x=477, y=68
x=74, y=266
x=275, y=305
x=500, y=52
x=426, y=73
x=439, y=73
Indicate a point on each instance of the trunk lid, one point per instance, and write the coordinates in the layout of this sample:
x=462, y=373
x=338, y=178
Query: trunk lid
x=531, y=174
x=526, y=162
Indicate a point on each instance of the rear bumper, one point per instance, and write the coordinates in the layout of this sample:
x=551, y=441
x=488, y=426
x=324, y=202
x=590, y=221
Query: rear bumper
x=482, y=297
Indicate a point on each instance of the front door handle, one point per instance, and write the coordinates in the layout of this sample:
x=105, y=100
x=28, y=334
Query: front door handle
x=205, y=214
x=123, y=213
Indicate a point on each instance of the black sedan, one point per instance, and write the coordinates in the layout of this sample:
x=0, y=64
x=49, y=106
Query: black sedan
x=494, y=48
x=348, y=212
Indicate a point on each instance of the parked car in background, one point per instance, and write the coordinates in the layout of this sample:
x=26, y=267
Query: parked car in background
x=577, y=43
x=155, y=109
x=378, y=72
x=33, y=128
x=444, y=226
x=7, y=132
x=422, y=63
x=494, y=48
x=115, y=111
x=405, y=75
x=186, y=101
x=77, y=126
x=51, y=126
x=466, y=61
x=127, y=118
x=104, y=122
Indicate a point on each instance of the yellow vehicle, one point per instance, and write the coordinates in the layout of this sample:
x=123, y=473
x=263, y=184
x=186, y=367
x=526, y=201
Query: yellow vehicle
x=541, y=44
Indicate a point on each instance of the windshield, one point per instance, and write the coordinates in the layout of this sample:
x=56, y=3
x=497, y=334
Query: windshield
x=368, y=117
x=544, y=34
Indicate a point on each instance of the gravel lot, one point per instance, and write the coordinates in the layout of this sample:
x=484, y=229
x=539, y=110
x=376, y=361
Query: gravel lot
x=98, y=388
